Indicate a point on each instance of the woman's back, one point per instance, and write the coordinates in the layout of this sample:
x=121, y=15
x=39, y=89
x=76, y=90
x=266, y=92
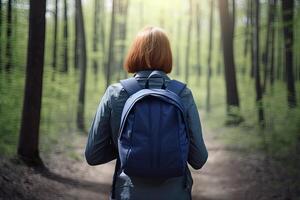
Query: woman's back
x=150, y=51
x=109, y=115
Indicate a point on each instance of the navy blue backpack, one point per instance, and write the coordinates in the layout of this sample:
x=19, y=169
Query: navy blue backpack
x=153, y=137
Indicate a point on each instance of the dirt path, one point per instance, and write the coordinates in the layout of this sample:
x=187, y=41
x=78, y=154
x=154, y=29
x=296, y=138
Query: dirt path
x=221, y=178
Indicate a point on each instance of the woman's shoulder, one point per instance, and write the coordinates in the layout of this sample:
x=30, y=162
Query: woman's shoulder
x=115, y=89
x=186, y=92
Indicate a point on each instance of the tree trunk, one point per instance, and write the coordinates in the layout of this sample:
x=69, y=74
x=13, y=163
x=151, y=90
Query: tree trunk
x=66, y=38
x=233, y=17
x=272, y=21
x=76, y=47
x=198, y=30
x=247, y=35
x=227, y=43
x=123, y=34
x=29, y=134
x=211, y=21
x=8, y=36
x=288, y=30
x=256, y=63
x=102, y=26
x=96, y=24
x=82, y=64
x=178, y=47
x=266, y=54
x=252, y=38
x=111, y=44
x=219, y=65
x=279, y=44
x=96, y=37
x=0, y=35
x=55, y=30
x=189, y=31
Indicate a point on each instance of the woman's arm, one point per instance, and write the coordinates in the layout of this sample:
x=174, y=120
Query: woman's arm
x=197, y=152
x=99, y=148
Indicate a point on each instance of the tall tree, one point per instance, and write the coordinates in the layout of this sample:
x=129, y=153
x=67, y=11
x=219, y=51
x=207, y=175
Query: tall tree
x=272, y=47
x=178, y=47
x=209, y=68
x=256, y=64
x=266, y=55
x=123, y=32
x=29, y=134
x=0, y=35
x=252, y=38
x=9, y=35
x=111, y=44
x=96, y=24
x=288, y=30
x=279, y=44
x=96, y=36
x=187, y=51
x=247, y=34
x=55, y=30
x=219, y=64
x=232, y=96
x=102, y=26
x=66, y=38
x=233, y=15
x=81, y=62
x=76, y=47
x=198, y=31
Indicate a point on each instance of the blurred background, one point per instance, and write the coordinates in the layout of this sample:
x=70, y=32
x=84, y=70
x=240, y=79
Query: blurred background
x=240, y=58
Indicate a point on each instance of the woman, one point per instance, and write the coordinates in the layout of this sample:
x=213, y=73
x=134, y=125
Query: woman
x=150, y=51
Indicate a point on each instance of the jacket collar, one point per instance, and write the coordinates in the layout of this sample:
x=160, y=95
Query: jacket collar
x=146, y=73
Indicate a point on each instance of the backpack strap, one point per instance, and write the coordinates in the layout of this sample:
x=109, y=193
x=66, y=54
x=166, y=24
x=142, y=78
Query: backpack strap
x=176, y=86
x=131, y=85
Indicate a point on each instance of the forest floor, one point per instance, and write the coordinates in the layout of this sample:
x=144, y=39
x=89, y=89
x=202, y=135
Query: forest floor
x=228, y=174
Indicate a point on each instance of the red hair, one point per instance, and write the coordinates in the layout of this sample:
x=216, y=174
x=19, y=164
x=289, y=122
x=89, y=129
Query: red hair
x=150, y=51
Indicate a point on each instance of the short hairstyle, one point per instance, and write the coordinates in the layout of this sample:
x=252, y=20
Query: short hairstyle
x=150, y=51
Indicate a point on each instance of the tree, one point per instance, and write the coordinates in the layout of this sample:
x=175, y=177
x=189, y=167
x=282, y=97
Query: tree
x=29, y=134
x=233, y=15
x=123, y=9
x=219, y=65
x=0, y=35
x=209, y=68
x=279, y=44
x=187, y=51
x=178, y=47
x=96, y=36
x=55, y=30
x=9, y=35
x=111, y=44
x=266, y=54
x=232, y=97
x=102, y=26
x=81, y=62
x=256, y=64
x=247, y=33
x=288, y=30
x=272, y=22
x=198, y=30
x=252, y=38
x=66, y=38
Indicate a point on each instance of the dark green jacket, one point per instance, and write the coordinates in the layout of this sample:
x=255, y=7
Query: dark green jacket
x=102, y=144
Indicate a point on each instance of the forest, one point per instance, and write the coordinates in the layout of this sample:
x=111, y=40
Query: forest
x=240, y=58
